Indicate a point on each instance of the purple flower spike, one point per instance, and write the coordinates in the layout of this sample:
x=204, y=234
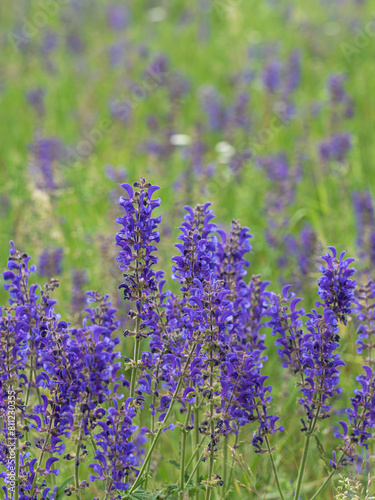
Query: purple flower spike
x=365, y=310
x=137, y=238
x=336, y=287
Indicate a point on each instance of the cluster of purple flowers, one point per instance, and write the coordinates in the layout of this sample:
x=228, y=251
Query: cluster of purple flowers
x=335, y=286
x=206, y=346
x=202, y=349
x=61, y=376
x=310, y=347
x=360, y=414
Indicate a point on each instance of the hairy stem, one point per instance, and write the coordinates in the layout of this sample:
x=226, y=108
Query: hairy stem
x=195, y=453
x=274, y=468
x=137, y=348
x=323, y=486
x=212, y=426
x=183, y=450
x=196, y=441
x=16, y=493
x=305, y=452
x=232, y=464
x=42, y=451
x=165, y=420
x=76, y=465
x=225, y=465
x=195, y=468
x=328, y=478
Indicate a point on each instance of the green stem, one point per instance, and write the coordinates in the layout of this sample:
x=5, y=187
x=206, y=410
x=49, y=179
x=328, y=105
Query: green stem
x=305, y=452
x=108, y=490
x=225, y=465
x=212, y=423
x=42, y=452
x=93, y=444
x=148, y=467
x=165, y=420
x=30, y=381
x=302, y=465
x=76, y=466
x=196, y=441
x=211, y=466
x=137, y=348
x=16, y=493
x=195, y=453
x=195, y=468
x=183, y=451
x=274, y=468
x=232, y=465
x=212, y=448
x=328, y=479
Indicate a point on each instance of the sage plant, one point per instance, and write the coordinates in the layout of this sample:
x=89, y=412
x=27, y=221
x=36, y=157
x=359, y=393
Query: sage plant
x=74, y=402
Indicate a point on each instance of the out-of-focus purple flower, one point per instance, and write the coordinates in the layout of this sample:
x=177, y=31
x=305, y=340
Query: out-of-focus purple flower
x=283, y=177
x=238, y=114
x=293, y=72
x=238, y=161
x=231, y=254
x=4, y=204
x=341, y=103
x=335, y=87
x=35, y=97
x=276, y=166
x=116, y=53
x=271, y=76
x=79, y=280
x=336, y=147
x=365, y=310
x=50, y=262
x=115, y=174
x=50, y=42
x=365, y=224
x=301, y=250
x=336, y=288
x=214, y=108
x=159, y=67
x=74, y=43
x=118, y=17
x=45, y=152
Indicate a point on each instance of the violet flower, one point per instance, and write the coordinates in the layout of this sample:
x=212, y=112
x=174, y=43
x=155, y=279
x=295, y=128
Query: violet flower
x=336, y=288
x=365, y=310
x=137, y=238
x=50, y=262
x=45, y=153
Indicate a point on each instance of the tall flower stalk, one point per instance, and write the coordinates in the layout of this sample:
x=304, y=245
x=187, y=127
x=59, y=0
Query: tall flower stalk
x=137, y=238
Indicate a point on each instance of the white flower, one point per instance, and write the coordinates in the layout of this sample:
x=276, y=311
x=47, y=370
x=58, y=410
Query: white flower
x=180, y=139
x=225, y=151
x=157, y=14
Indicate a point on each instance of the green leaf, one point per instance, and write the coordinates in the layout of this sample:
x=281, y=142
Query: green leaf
x=61, y=488
x=322, y=453
x=139, y=494
x=174, y=463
